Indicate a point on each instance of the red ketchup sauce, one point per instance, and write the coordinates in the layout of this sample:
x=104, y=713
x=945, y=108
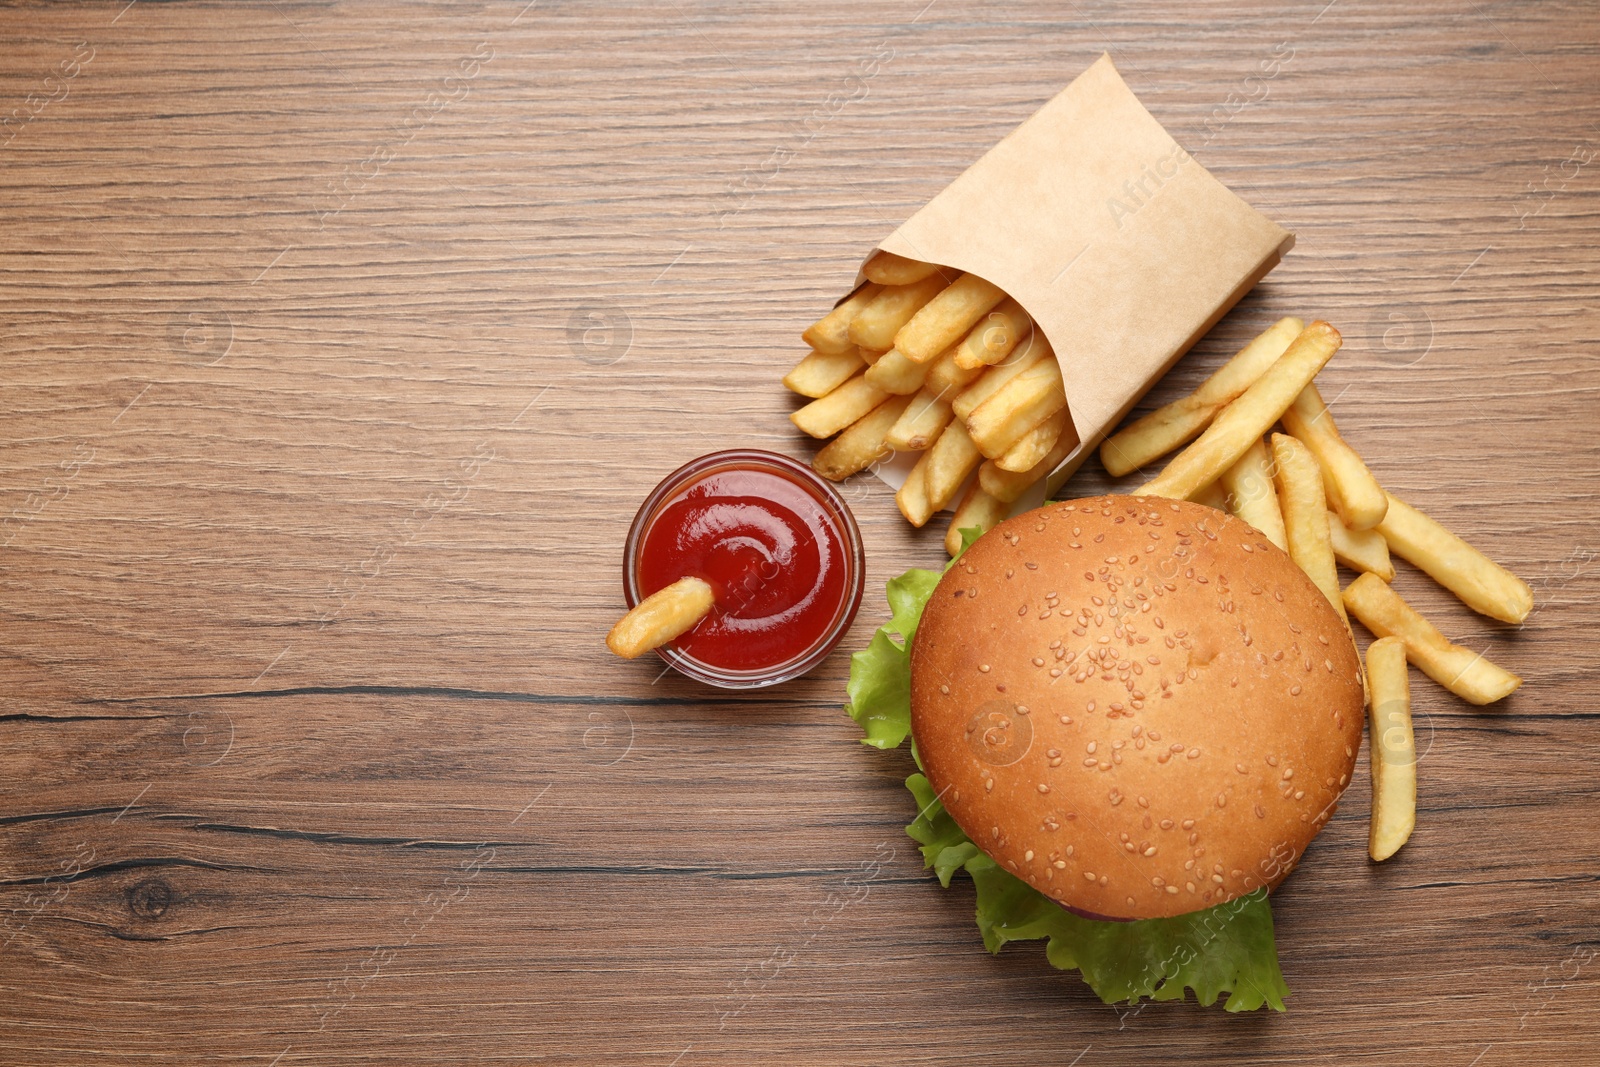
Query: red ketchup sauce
x=773, y=554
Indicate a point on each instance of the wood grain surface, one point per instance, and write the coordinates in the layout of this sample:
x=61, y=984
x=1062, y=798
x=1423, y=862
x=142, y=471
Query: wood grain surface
x=340, y=343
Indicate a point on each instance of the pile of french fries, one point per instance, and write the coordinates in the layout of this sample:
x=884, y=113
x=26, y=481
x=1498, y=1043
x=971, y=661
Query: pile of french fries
x=1309, y=492
x=923, y=359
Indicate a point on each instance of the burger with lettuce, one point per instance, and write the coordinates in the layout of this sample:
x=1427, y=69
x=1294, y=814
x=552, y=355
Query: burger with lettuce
x=1129, y=716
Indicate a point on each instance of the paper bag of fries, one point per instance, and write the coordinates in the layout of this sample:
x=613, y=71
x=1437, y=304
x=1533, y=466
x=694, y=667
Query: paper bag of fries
x=1003, y=330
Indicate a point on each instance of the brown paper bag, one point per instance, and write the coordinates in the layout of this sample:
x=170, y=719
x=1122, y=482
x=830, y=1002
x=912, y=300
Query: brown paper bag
x=1121, y=246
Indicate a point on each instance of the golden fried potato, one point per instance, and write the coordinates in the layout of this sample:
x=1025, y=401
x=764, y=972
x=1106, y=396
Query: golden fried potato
x=1460, y=670
x=660, y=617
x=1482, y=584
x=1246, y=419
x=1179, y=422
x=946, y=318
x=1393, y=750
x=831, y=333
x=862, y=444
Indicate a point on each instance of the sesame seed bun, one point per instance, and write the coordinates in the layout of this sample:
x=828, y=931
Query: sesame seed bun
x=1139, y=706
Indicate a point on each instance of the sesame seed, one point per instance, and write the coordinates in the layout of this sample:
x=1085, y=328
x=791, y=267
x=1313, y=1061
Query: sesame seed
x=1188, y=824
x=1194, y=753
x=1043, y=788
x=1151, y=851
x=984, y=667
x=945, y=689
x=1088, y=876
x=1060, y=865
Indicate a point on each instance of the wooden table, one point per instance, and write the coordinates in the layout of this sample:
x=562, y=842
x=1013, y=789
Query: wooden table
x=341, y=343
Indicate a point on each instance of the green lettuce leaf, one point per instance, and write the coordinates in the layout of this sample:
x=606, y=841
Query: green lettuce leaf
x=879, y=691
x=1227, y=949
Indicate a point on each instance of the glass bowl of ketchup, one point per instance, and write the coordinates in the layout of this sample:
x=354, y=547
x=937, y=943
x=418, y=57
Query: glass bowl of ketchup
x=780, y=550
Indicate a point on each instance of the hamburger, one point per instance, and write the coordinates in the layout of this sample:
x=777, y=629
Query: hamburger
x=1131, y=715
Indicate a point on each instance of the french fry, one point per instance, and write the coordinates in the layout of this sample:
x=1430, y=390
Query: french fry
x=1179, y=422
x=820, y=373
x=945, y=373
x=831, y=333
x=1020, y=405
x=1462, y=671
x=1352, y=490
x=662, y=616
x=1360, y=550
x=886, y=268
x=872, y=355
x=977, y=510
x=876, y=324
x=894, y=373
x=1212, y=496
x=1305, y=516
x=1393, y=749
x=862, y=444
x=1248, y=417
x=1007, y=486
x=1034, y=445
x=994, y=336
x=912, y=497
x=950, y=459
x=947, y=317
x=827, y=415
x=920, y=423
x=992, y=381
x=1251, y=494
x=1482, y=584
